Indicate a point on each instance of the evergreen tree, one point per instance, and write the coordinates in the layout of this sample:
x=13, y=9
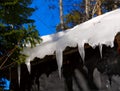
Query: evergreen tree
x=14, y=31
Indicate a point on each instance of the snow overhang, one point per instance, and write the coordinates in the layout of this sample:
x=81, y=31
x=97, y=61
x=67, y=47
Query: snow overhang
x=95, y=32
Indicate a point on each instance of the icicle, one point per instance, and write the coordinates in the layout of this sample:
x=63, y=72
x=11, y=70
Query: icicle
x=81, y=80
x=81, y=51
x=59, y=58
x=97, y=78
x=19, y=69
x=28, y=66
x=100, y=48
x=85, y=69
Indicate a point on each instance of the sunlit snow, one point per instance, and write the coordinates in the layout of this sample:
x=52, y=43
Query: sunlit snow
x=96, y=32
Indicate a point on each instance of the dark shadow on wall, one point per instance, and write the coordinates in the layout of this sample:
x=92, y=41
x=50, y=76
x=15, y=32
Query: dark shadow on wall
x=71, y=63
x=31, y=82
x=84, y=70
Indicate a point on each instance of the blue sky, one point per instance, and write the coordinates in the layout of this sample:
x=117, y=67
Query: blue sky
x=47, y=14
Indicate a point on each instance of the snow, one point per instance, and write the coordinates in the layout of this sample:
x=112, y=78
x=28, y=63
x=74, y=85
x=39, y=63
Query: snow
x=96, y=32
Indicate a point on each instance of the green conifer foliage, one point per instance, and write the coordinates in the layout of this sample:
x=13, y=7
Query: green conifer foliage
x=16, y=30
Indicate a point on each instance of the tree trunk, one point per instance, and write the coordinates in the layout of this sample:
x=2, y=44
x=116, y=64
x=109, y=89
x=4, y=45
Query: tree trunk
x=99, y=10
x=87, y=9
x=61, y=15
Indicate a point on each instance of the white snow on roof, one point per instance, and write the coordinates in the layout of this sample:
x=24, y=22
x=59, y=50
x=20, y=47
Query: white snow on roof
x=97, y=31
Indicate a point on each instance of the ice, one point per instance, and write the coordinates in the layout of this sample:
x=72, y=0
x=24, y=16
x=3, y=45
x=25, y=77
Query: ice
x=85, y=69
x=59, y=59
x=97, y=78
x=81, y=80
x=100, y=48
x=19, y=69
x=28, y=66
x=82, y=52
